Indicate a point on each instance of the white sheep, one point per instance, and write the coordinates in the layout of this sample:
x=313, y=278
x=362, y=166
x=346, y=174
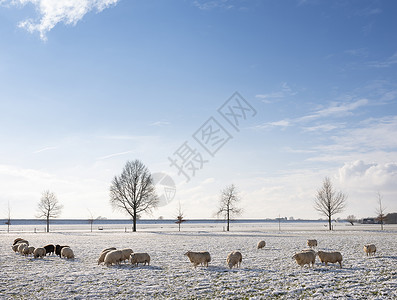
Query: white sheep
x=113, y=257
x=197, y=258
x=125, y=255
x=330, y=257
x=39, y=252
x=67, y=252
x=137, y=258
x=305, y=258
x=261, y=244
x=28, y=250
x=101, y=258
x=312, y=243
x=234, y=259
x=370, y=249
x=21, y=246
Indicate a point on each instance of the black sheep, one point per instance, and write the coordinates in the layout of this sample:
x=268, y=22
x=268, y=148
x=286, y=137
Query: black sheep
x=49, y=249
x=58, y=249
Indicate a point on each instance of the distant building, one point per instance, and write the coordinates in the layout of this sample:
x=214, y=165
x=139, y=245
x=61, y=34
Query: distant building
x=369, y=221
x=391, y=218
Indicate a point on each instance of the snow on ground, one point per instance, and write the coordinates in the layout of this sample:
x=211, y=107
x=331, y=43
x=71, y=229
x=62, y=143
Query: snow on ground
x=267, y=273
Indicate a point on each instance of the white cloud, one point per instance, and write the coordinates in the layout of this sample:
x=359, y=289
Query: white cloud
x=285, y=91
x=386, y=63
x=336, y=109
x=52, y=12
x=45, y=149
x=160, y=123
x=115, y=154
x=211, y=4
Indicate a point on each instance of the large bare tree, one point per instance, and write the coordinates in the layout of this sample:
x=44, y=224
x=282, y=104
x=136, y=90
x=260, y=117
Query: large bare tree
x=49, y=207
x=133, y=192
x=380, y=211
x=227, y=204
x=329, y=202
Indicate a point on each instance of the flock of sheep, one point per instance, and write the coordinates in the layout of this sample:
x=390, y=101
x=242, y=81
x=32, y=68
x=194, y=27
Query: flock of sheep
x=308, y=256
x=112, y=256
x=22, y=246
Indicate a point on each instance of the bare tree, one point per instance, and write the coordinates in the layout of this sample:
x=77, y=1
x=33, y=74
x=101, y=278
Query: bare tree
x=91, y=219
x=351, y=219
x=49, y=207
x=380, y=211
x=329, y=202
x=8, y=222
x=180, y=218
x=227, y=204
x=133, y=192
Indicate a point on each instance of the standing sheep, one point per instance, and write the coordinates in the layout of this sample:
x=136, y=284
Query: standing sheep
x=21, y=246
x=142, y=258
x=312, y=243
x=125, y=254
x=58, y=249
x=330, y=257
x=28, y=250
x=234, y=259
x=305, y=258
x=67, y=252
x=49, y=249
x=261, y=244
x=197, y=258
x=39, y=252
x=370, y=249
x=101, y=258
x=113, y=257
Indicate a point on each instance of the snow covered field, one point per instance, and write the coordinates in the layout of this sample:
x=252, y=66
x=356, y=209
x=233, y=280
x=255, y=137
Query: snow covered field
x=267, y=273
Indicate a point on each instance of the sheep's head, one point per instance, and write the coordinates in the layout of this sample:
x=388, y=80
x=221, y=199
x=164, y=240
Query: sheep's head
x=187, y=253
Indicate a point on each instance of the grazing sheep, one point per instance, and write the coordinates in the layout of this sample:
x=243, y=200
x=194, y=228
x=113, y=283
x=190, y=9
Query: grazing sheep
x=15, y=247
x=28, y=250
x=126, y=254
x=370, y=249
x=197, y=258
x=39, y=252
x=21, y=246
x=312, y=243
x=261, y=244
x=49, y=249
x=58, y=249
x=101, y=258
x=330, y=257
x=137, y=258
x=234, y=259
x=305, y=258
x=113, y=257
x=67, y=252
x=20, y=240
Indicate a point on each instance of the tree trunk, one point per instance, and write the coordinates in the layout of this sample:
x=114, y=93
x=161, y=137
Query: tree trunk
x=329, y=222
x=228, y=218
x=179, y=225
x=48, y=224
x=134, y=221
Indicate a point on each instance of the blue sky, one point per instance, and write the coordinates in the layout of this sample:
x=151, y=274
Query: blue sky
x=87, y=85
